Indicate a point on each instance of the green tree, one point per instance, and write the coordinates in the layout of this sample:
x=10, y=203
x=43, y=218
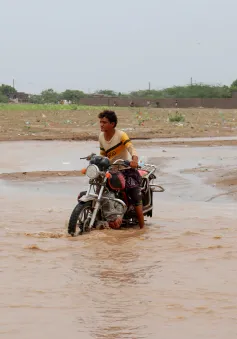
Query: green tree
x=191, y=91
x=234, y=84
x=35, y=99
x=3, y=98
x=233, y=87
x=7, y=90
x=72, y=95
x=107, y=92
x=49, y=96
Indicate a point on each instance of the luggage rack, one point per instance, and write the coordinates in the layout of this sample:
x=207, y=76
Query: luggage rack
x=149, y=168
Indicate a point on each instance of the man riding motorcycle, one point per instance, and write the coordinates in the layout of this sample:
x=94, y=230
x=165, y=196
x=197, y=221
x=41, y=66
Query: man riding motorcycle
x=115, y=144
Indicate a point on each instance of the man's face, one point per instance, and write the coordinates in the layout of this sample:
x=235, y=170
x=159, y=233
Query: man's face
x=105, y=125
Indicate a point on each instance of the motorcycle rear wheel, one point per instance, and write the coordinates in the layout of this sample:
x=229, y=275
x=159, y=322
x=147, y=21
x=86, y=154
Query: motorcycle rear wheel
x=79, y=217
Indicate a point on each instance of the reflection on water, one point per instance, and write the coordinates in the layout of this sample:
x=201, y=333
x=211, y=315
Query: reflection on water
x=119, y=271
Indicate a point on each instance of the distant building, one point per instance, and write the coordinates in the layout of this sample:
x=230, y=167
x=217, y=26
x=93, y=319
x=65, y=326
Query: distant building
x=19, y=97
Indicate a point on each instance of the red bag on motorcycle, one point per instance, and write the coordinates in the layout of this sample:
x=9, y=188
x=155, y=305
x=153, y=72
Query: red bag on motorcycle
x=116, y=181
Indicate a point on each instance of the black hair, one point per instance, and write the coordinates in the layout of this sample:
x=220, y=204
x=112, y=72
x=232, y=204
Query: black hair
x=110, y=115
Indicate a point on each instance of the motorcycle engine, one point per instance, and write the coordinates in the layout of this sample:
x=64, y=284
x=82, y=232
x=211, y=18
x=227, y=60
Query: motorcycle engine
x=112, y=210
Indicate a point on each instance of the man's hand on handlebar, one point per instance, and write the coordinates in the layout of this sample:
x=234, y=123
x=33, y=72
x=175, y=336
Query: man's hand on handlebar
x=134, y=164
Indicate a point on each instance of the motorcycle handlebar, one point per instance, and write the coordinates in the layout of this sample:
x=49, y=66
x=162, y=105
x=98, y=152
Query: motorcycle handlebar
x=122, y=163
x=125, y=163
x=88, y=157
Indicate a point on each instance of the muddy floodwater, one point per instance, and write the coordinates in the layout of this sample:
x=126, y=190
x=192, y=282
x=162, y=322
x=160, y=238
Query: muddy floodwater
x=175, y=279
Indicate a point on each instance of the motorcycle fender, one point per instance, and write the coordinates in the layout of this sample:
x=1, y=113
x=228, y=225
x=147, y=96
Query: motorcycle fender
x=86, y=198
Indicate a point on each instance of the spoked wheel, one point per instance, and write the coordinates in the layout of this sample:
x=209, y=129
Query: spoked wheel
x=80, y=217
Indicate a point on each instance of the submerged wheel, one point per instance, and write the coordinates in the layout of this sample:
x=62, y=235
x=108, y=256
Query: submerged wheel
x=80, y=217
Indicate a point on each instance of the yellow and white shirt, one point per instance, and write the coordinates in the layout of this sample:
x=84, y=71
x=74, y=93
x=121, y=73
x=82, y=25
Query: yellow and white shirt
x=119, y=147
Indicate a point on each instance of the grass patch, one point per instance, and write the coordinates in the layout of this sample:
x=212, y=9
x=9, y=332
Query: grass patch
x=48, y=107
x=177, y=117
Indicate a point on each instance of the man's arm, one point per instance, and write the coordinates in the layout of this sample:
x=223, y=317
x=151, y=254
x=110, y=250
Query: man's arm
x=102, y=150
x=131, y=149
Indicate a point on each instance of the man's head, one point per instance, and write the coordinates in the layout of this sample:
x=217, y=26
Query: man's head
x=108, y=120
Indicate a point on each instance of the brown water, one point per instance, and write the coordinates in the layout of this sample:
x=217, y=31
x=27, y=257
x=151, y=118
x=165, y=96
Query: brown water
x=175, y=279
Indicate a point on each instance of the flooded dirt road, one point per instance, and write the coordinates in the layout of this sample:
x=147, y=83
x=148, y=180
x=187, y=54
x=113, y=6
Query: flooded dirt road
x=175, y=279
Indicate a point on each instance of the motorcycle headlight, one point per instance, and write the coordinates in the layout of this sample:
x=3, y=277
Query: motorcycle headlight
x=92, y=171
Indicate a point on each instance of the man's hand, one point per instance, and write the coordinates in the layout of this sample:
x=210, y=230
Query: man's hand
x=134, y=164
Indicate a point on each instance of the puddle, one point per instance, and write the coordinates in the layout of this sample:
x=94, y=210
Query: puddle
x=175, y=277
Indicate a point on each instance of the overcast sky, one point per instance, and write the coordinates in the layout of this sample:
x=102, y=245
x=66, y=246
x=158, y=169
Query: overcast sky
x=120, y=45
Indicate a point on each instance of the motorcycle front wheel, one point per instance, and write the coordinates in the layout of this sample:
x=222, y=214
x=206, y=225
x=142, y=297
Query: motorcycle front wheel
x=80, y=217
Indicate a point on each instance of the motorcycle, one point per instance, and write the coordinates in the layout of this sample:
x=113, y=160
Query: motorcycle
x=106, y=198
